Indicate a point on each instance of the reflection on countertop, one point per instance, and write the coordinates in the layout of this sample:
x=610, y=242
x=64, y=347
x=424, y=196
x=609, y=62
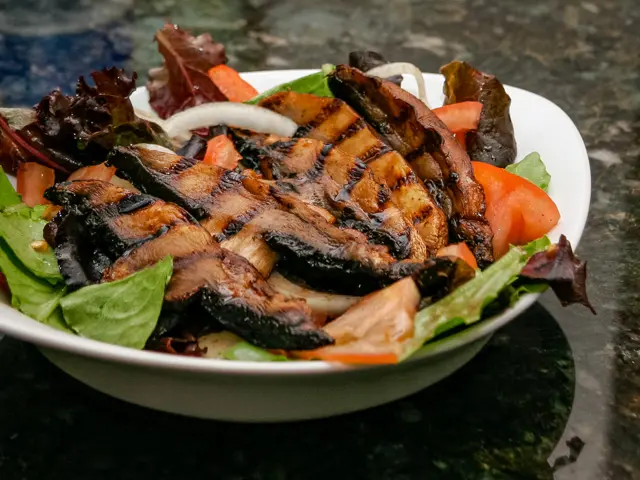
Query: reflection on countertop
x=557, y=387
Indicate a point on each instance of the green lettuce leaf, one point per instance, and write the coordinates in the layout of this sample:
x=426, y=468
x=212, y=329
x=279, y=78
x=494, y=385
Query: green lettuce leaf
x=466, y=304
x=29, y=294
x=8, y=194
x=246, y=352
x=533, y=169
x=56, y=320
x=20, y=226
x=124, y=312
x=315, y=83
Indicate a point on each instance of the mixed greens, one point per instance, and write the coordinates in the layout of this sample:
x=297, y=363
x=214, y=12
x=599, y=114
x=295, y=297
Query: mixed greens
x=78, y=133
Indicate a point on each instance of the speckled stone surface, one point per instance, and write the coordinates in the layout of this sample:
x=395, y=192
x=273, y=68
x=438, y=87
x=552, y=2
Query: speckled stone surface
x=556, y=394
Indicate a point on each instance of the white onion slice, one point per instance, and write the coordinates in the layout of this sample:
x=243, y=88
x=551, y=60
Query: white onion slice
x=329, y=304
x=398, y=68
x=122, y=183
x=233, y=114
x=148, y=115
x=155, y=147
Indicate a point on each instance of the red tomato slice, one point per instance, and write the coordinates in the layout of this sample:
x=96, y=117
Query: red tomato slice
x=222, y=152
x=517, y=210
x=459, y=250
x=374, y=330
x=95, y=172
x=33, y=180
x=460, y=117
x=230, y=84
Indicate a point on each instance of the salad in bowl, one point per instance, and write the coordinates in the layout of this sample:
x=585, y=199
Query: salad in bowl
x=336, y=217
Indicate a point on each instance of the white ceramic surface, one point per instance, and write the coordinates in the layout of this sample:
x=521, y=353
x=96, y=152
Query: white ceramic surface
x=281, y=391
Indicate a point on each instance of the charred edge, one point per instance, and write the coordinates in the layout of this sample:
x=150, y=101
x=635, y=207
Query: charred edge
x=185, y=163
x=355, y=175
x=327, y=111
x=99, y=226
x=134, y=202
x=238, y=223
x=152, y=181
x=422, y=214
x=409, y=179
x=320, y=270
x=413, y=155
x=228, y=180
x=436, y=189
x=287, y=330
x=384, y=195
x=195, y=147
x=272, y=102
x=375, y=152
x=398, y=242
x=317, y=170
x=351, y=130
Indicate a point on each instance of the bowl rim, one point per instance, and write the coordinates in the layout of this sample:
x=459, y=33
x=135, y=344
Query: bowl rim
x=15, y=324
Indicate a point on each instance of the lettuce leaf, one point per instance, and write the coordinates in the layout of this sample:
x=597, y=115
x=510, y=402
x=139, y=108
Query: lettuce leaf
x=244, y=351
x=33, y=296
x=8, y=194
x=124, y=312
x=20, y=226
x=315, y=83
x=533, y=169
x=466, y=304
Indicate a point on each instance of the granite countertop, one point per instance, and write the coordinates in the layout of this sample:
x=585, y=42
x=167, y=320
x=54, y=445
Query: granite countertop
x=556, y=394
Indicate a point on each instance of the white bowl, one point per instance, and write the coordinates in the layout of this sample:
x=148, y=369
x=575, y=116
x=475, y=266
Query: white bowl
x=281, y=391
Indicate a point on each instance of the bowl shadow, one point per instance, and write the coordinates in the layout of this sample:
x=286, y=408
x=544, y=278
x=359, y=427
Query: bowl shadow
x=498, y=417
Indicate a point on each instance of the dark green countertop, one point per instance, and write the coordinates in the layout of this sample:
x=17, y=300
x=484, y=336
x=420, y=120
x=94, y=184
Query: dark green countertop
x=556, y=394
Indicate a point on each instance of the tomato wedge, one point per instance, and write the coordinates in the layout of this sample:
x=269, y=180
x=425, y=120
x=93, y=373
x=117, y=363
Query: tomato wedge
x=517, y=210
x=459, y=250
x=33, y=180
x=230, y=84
x=460, y=117
x=95, y=172
x=222, y=152
x=374, y=330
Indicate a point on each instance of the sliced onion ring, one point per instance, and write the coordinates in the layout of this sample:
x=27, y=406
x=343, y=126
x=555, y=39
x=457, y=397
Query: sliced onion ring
x=329, y=304
x=240, y=115
x=398, y=68
x=155, y=147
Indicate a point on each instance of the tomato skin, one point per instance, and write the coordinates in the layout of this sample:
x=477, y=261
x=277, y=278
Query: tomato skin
x=230, y=84
x=459, y=250
x=460, y=117
x=94, y=172
x=222, y=152
x=517, y=210
x=33, y=180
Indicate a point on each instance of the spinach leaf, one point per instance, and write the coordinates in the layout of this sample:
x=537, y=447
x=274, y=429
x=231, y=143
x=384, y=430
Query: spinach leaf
x=124, y=312
x=8, y=194
x=31, y=295
x=315, y=83
x=20, y=226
